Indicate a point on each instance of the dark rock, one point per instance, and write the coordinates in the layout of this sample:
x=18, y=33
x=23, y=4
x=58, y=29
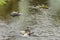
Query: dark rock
x=14, y=14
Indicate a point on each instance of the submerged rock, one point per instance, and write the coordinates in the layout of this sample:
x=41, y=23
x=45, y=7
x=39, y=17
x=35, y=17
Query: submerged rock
x=14, y=14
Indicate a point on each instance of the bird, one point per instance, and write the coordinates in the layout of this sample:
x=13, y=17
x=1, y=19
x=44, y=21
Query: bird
x=26, y=32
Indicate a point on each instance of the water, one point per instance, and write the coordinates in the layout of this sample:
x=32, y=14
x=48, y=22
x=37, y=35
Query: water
x=54, y=4
x=44, y=27
x=41, y=23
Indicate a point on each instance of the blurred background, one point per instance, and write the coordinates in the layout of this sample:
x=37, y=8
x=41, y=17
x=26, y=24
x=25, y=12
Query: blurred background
x=42, y=16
